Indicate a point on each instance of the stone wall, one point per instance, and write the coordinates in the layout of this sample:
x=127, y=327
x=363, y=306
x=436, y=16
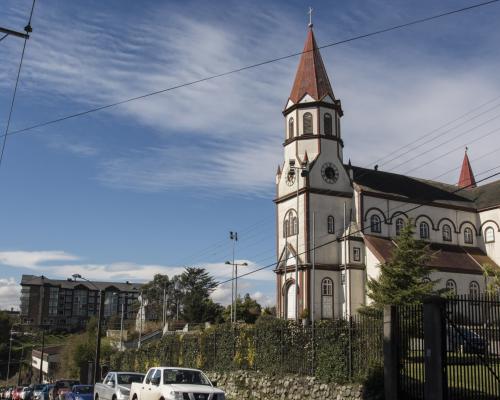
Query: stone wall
x=258, y=386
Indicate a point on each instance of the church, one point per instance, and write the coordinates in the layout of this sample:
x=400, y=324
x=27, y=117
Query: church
x=344, y=220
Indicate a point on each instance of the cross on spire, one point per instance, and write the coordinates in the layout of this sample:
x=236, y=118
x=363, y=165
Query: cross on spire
x=310, y=12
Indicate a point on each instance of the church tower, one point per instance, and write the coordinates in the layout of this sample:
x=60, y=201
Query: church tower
x=312, y=184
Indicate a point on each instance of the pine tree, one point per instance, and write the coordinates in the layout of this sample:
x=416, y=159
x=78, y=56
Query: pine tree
x=403, y=280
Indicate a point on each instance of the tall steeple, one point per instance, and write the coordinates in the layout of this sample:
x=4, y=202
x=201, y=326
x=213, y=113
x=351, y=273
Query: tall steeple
x=311, y=77
x=466, y=175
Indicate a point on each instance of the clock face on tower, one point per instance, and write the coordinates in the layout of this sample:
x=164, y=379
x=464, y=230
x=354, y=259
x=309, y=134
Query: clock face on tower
x=329, y=172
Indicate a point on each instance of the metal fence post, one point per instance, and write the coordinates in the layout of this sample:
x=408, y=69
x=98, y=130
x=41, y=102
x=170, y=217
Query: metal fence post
x=435, y=347
x=391, y=368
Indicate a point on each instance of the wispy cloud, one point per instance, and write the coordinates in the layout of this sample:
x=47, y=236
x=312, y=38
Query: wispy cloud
x=392, y=92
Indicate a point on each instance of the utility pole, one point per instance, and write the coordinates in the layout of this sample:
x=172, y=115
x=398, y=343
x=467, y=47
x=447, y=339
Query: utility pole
x=233, y=236
x=10, y=352
x=121, y=325
x=40, y=376
x=97, y=367
x=21, y=35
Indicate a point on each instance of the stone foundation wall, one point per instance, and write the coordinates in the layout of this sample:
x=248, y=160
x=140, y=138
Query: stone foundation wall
x=258, y=386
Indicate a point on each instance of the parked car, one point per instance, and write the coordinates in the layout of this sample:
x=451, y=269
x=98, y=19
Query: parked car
x=116, y=385
x=61, y=387
x=170, y=383
x=16, y=393
x=26, y=393
x=38, y=390
x=462, y=340
x=80, y=392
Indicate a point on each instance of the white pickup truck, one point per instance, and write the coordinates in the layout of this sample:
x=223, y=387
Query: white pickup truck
x=169, y=383
x=116, y=385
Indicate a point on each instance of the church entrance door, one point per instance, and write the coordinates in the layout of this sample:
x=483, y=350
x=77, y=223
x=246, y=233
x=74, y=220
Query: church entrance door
x=290, y=301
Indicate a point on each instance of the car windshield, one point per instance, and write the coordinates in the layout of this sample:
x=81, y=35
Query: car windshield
x=38, y=387
x=127, y=379
x=184, y=376
x=83, y=389
x=67, y=384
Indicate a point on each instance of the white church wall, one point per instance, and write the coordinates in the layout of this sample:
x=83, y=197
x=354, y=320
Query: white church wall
x=491, y=219
x=282, y=209
x=462, y=281
x=357, y=289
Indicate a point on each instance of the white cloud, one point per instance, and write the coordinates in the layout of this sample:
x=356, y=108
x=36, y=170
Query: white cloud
x=33, y=259
x=9, y=294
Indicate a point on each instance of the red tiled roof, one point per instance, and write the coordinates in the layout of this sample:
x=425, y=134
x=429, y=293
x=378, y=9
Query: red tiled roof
x=466, y=175
x=444, y=257
x=311, y=77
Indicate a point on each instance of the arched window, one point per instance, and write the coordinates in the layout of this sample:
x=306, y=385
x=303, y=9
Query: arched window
x=474, y=289
x=375, y=224
x=489, y=235
x=328, y=125
x=424, y=230
x=400, y=224
x=451, y=286
x=468, y=236
x=290, y=224
x=331, y=224
x=286, y=228
x=446, y=233
x=326, y=298
x=295, y=225
x=426, y=279
x=291, y=131
x=307, y=121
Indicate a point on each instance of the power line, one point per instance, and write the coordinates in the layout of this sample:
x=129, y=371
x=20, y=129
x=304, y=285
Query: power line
x=9, y=118
x=248, y=67
x=344, y=237
x=436, y=130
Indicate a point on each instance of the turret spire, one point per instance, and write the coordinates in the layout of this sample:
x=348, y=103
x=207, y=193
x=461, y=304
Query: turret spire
x=311, y=77
x=466, y=175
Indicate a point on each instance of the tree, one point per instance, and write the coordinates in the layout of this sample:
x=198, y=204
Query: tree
x=197, y=285
x=5, y=327
x=247, y=310
x=492, y=275
x=403, y=280
x=153, y=292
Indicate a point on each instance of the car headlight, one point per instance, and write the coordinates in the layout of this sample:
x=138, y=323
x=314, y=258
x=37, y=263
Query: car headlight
x=176, y=395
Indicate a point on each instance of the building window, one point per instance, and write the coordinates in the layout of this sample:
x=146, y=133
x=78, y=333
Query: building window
x=290, y=224
x=468, y=236
x=356, y=253
x=80, y=302
x=25, y=300
x=326, y=298
x=308, y=123
x=331, y=224
x=474, y=289
x=489, y=235
x=446, y=233
x=327, y=122
x=400, y=224
x=290, y=128
x=53, y=300
x=424, y=230
x=451, y=286
x=376, y=224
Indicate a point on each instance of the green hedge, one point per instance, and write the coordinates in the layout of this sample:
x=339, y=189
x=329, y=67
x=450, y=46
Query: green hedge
x=341, y=350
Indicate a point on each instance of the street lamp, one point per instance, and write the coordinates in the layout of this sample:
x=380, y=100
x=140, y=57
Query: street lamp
x=304, y=171
x=99, y=320
x=235, y=269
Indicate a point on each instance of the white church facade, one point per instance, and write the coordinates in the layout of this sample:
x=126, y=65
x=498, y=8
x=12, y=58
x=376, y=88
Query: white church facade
x=321, y=199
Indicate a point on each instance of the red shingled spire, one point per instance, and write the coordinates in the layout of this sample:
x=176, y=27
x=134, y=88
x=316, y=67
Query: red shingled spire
x=311, y=77
x=466, y=175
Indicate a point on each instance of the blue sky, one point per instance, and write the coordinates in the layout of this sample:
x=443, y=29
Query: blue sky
x=156, y=184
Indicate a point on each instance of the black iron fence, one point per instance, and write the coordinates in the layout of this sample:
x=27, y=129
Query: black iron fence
x=449, y=346
x=339, y=350
x=472, y=356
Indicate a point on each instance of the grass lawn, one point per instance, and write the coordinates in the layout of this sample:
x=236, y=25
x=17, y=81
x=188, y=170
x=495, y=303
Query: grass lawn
x=474, y=378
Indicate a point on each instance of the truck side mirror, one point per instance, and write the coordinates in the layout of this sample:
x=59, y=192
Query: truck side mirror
x=214, y=383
